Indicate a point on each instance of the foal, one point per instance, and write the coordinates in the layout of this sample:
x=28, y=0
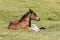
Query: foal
x=24, y=22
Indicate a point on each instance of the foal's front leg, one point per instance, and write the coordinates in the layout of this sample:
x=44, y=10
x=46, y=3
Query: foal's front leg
x=35, y=28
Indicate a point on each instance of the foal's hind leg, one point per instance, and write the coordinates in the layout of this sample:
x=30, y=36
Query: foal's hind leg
x=28, y=28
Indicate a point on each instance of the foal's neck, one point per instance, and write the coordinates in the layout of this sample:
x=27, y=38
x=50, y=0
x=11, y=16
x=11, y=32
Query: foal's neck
x=26, y=19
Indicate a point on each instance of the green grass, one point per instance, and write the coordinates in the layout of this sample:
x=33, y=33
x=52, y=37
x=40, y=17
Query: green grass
x=47, y=10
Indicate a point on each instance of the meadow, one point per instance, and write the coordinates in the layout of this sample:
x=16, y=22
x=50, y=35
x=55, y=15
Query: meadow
x=47, y=10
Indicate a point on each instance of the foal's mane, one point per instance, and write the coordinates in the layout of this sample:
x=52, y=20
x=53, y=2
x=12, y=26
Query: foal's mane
x=24, y=16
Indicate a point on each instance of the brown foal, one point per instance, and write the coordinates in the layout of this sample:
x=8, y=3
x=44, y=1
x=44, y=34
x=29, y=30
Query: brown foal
x=24, y=22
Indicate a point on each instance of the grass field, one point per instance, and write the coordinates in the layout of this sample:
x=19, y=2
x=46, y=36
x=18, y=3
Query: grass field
x=47, y=10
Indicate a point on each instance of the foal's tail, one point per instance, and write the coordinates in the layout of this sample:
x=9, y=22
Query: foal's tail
x=9, y=25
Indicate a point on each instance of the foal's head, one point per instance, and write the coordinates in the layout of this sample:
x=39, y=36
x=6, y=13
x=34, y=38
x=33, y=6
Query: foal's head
x=30, y=15
x=33, y=15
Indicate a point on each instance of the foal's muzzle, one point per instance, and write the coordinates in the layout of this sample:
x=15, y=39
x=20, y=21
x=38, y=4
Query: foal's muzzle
x=38, y=19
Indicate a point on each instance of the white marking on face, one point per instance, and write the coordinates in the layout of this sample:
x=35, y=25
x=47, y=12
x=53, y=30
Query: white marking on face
x=37, y=18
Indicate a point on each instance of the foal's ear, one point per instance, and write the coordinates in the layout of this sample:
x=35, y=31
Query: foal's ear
x=30, y=10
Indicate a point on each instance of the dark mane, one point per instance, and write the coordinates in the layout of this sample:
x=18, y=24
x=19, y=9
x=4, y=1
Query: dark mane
x=24, y=16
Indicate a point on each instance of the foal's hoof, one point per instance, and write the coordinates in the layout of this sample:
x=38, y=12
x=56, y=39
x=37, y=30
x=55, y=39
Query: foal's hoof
x=42, y=28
